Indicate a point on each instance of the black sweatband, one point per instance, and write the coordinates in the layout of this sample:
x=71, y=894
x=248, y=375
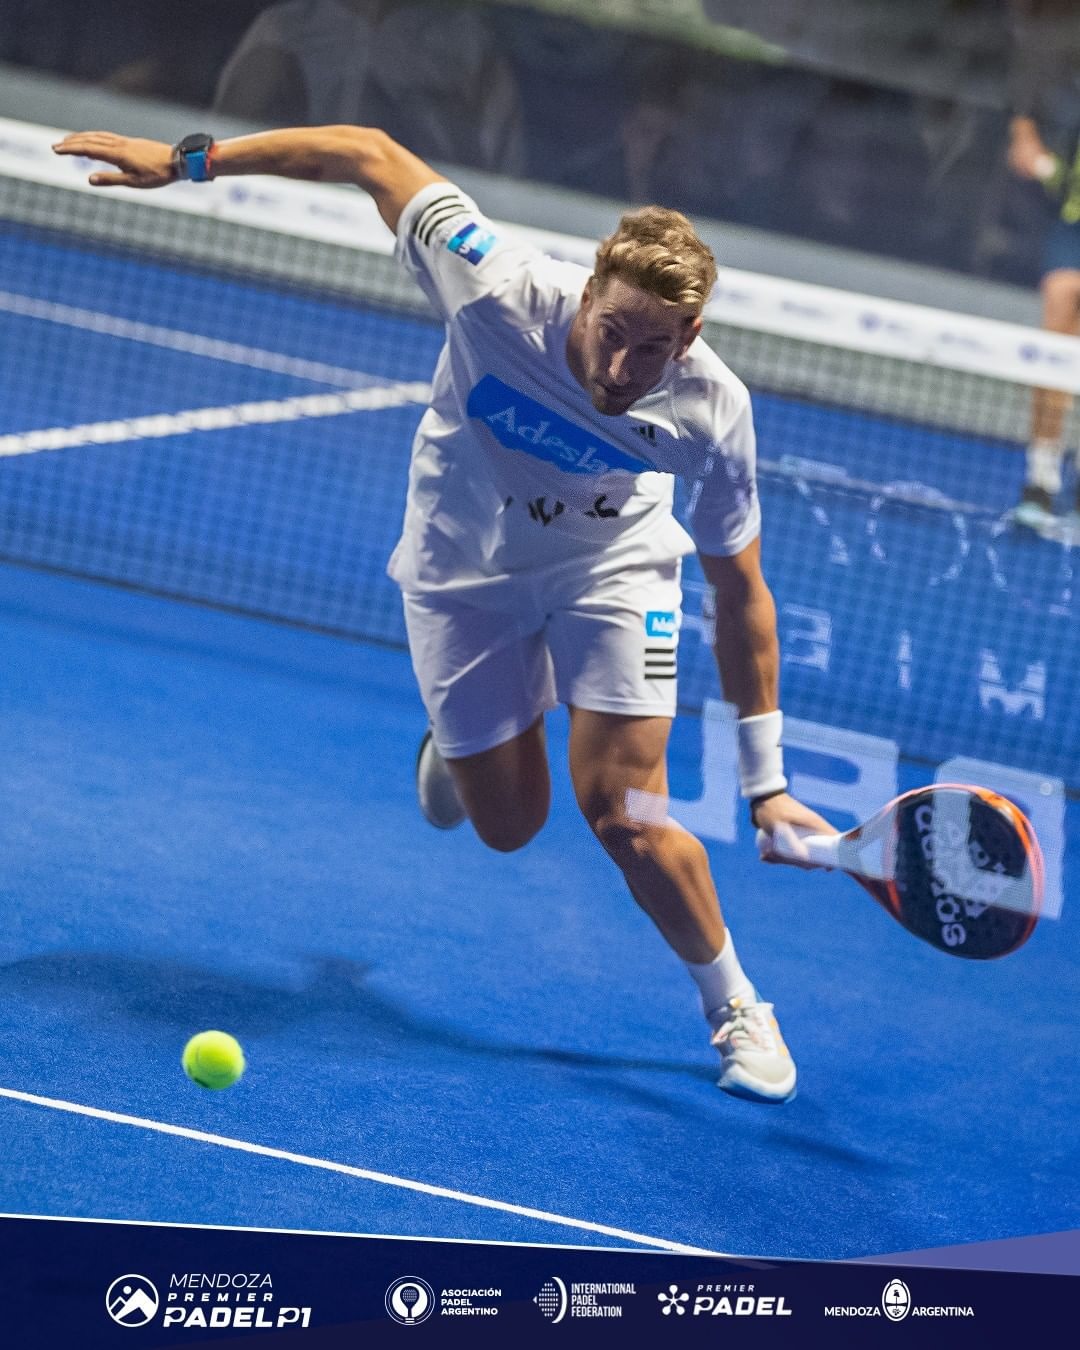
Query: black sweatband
x=755, y=802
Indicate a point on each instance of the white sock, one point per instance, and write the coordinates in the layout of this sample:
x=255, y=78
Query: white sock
x=1044, y=465
x=721, y=980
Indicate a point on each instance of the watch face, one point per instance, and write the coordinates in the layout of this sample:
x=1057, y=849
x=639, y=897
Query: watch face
x=195, y=143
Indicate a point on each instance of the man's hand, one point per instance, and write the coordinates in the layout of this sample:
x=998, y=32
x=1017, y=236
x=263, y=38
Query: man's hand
x=142, y=164
x=782, y=816
x=1028, y=155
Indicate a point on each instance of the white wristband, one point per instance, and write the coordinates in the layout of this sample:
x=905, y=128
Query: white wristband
x=761, y=758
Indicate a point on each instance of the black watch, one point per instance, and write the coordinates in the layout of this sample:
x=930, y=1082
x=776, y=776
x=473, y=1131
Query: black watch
x=191, y=157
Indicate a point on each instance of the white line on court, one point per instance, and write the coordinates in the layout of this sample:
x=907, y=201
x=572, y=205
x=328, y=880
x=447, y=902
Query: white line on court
x=192, y=344
x=383, y=1178
x=261, y=413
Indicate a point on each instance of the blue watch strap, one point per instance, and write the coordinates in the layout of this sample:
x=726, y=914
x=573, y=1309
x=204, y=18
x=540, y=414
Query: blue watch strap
x=198, y=165
x=192, y=158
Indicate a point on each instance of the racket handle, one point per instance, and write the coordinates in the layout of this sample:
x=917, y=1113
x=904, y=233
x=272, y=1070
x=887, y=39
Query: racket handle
x=821, y=850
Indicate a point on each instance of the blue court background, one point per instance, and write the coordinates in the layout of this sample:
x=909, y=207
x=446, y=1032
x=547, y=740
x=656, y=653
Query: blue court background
x=210, y=820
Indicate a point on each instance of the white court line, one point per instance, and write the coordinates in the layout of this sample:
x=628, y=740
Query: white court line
x=383, y=1178
x=261, y=413
x=193, y=344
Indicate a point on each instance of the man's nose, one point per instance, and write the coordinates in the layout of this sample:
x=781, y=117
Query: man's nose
x=619, y=367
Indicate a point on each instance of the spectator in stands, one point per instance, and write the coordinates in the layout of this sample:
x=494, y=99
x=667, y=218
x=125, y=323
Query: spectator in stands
x=429, y=72
x=1044, y=146
x=597, y=102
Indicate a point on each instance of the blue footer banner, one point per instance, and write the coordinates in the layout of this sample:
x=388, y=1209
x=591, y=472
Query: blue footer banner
x=86, y=1284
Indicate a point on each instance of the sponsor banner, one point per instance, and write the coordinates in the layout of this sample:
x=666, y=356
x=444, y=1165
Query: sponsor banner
x=74, y=1282
x=520, y=423
x=348, y=218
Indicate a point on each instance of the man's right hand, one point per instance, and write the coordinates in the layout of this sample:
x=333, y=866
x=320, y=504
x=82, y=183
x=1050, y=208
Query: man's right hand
x=142, y=163
x=1028, y=155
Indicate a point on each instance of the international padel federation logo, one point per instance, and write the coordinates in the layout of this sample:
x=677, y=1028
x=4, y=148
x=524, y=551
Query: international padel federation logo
x=410, y=1300
x=132, y=1301
x=552, y=1300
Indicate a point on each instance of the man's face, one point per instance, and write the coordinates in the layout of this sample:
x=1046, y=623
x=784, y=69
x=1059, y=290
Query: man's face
x=621, y=341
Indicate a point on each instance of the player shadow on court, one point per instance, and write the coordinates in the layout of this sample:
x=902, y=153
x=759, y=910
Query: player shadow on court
x=358, y=1021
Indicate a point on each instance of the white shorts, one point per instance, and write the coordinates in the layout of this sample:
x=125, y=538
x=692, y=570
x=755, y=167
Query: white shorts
x=486, y=674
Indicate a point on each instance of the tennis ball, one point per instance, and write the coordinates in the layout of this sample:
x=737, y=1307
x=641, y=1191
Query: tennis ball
x=213, y=1059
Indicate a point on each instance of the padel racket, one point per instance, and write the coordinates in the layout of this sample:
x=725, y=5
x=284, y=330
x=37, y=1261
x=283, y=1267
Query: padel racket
x=958, y=866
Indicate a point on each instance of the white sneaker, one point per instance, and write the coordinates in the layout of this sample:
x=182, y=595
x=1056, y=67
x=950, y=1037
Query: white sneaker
x=1035, y=510
x=435, y=787
x=754, y=1060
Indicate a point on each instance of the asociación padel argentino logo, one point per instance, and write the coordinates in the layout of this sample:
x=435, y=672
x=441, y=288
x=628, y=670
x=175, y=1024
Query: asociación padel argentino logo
x=410, y=1300
x=896, y=1300
x=132, y=1301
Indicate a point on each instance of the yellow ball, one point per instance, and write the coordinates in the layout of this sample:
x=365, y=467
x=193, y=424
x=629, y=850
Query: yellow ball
x=213, y=1059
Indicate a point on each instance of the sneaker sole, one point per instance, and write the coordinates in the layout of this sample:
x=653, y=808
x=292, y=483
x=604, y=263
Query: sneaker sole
x=749, y=1094
x=1034, y=519
x=444, y=823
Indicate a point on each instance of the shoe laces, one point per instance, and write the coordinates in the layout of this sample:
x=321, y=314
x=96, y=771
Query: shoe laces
x=748, y=1026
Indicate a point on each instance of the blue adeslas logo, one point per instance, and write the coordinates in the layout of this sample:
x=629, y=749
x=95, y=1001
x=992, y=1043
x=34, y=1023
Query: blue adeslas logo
x=471, y=243
x=520, y=423
x=660, y=623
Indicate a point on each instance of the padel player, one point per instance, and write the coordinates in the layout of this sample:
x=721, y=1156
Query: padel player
x=539, y=560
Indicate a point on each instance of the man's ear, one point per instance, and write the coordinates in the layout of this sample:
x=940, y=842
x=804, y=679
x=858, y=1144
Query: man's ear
x=588, y=293
x=693, y=329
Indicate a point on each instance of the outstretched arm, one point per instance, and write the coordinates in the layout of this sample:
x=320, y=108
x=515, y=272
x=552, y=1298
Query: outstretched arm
x=748, y=658
x=365, y=156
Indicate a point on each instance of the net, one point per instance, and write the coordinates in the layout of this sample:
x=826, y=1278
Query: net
x=210, y=393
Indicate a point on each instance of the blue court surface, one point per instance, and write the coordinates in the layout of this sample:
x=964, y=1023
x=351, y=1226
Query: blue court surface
x=209, y=821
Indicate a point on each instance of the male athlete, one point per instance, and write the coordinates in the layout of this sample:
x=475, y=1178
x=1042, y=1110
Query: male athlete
x=539, y=560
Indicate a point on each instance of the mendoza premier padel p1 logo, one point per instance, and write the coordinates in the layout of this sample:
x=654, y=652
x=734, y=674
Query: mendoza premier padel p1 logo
x=132, y=1300
x=520, y=423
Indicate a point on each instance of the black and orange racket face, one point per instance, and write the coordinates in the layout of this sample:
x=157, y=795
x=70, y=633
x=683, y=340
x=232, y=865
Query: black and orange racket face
x=964, y=869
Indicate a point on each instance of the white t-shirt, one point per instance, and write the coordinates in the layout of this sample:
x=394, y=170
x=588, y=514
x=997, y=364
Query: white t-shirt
x=512, y=467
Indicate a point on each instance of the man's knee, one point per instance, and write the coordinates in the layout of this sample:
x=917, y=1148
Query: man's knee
x=629, y=843
x=507, y=831
x=506, y=791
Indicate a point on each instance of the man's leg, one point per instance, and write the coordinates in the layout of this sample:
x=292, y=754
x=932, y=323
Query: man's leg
x=506, y=791
x=486, y=681
x=667, y=871
x=666, y=868
x=1061, y=312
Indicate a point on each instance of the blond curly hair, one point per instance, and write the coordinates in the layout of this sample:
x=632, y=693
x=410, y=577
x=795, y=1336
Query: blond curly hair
x=657, y=250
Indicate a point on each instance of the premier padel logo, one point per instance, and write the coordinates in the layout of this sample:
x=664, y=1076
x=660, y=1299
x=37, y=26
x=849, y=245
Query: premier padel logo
x=722, y=1300
x=673, y=1300
x=132, y=1300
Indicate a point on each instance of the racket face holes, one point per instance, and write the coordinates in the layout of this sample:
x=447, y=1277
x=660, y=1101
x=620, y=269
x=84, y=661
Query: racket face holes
x=963, y=872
